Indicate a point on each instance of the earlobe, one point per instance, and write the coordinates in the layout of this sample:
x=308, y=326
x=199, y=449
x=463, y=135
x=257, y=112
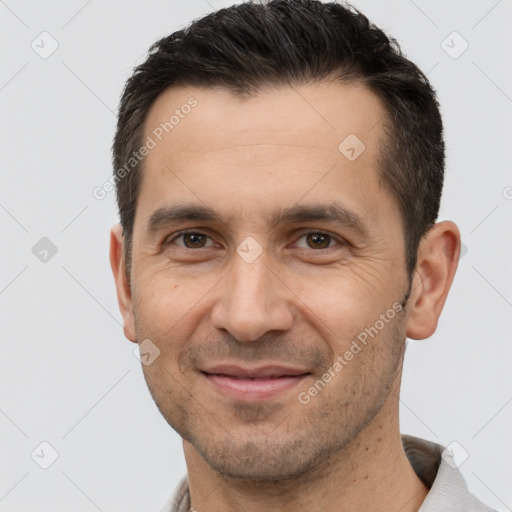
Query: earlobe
x=124, y=294
x=438, y=257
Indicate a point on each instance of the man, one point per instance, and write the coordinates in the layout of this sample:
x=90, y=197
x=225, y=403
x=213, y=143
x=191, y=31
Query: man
x=279, y=170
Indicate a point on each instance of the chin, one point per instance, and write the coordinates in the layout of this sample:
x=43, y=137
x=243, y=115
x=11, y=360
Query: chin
x=262, y=460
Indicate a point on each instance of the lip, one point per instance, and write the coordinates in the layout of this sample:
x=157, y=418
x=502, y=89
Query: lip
x=253, y=384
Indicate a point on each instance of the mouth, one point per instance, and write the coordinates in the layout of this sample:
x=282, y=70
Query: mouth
x=253, y=384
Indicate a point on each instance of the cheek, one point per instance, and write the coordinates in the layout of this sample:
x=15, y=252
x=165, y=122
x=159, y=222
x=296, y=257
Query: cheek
x=171, y=310
x=161, y=312
x=345, y=301
x=166, y=297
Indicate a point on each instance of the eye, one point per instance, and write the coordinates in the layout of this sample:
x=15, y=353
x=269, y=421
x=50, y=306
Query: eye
x=191, y=240
x=312, y=240
x=318, y=240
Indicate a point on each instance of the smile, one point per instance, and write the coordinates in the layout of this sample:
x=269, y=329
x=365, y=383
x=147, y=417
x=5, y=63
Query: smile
x=257, y=384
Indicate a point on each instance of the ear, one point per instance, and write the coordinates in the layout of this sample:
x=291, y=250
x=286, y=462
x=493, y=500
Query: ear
x=124, y=294
x=438, y=257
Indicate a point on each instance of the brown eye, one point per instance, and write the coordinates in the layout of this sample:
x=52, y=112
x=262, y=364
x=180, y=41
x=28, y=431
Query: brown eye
x=316, y=240
x=194, y=240
x=191, y=240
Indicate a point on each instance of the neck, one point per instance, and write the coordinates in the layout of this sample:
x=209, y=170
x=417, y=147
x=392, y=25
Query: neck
x=371, y=473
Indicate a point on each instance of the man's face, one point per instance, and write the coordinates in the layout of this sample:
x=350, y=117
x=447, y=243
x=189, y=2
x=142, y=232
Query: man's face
x=249, y=310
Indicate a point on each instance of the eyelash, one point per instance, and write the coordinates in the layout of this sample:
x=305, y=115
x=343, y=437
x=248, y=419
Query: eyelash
x=341, y=241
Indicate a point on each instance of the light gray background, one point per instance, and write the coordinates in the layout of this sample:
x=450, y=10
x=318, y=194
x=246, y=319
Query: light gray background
x=68, y=375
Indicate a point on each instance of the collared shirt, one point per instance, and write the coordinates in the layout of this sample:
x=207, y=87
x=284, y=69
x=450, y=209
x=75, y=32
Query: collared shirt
x=433, y=464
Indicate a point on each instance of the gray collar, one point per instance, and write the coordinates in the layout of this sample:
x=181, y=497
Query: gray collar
x=433, y=464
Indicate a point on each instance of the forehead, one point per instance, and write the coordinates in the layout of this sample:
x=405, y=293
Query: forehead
x=315, y=116
x=275, y=147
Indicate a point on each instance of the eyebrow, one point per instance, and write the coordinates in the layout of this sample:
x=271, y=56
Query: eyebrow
x=332, y=212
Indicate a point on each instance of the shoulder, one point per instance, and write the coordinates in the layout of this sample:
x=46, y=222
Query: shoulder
x=179, y=501
x=437, y=469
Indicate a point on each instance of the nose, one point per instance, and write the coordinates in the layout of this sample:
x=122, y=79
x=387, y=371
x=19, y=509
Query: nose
x=252, y=301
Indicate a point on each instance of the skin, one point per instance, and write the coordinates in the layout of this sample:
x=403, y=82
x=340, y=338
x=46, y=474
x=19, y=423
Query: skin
x=301, y=302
